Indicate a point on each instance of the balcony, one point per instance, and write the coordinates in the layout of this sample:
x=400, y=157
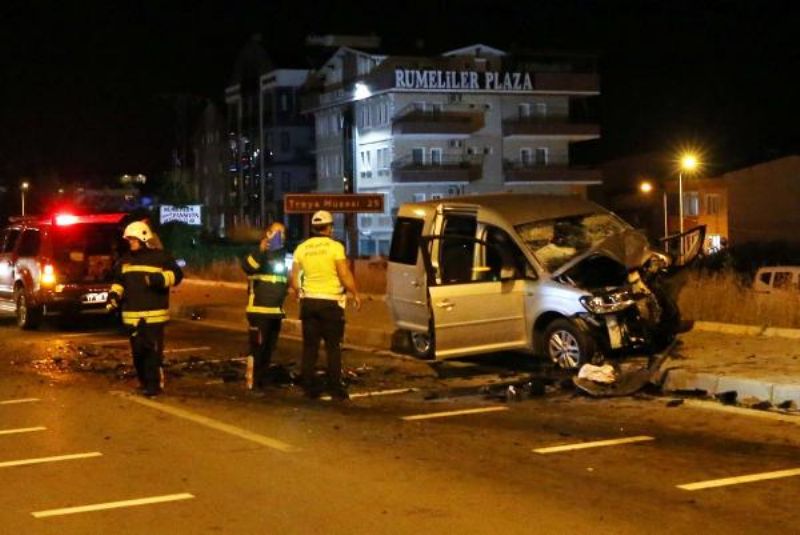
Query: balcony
x=451, y=119
x=445, y=169
x=550, y=126
x=518, y=171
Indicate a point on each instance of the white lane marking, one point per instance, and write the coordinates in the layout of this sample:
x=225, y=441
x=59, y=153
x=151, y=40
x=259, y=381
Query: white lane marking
x=447, y=414
x=740, y=479
x=753, y=413
x=115, y=341
x=210, y=423
x=85, y=334
x=112, y=505
x=23, y=400
x=57, y=458
x=595, y=444
x=21, y=430
x=184, y=349
x=376, y=393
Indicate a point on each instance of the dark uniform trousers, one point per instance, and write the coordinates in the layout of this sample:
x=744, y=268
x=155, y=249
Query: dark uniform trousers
x=323, y=319
x=147, y=347
x=264, y=331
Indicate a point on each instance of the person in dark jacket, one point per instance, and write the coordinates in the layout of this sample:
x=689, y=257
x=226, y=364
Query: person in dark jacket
x=142, y=279
x=267, y=286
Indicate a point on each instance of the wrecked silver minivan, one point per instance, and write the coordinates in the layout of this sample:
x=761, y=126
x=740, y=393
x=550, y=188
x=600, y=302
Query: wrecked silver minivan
x=550, y=275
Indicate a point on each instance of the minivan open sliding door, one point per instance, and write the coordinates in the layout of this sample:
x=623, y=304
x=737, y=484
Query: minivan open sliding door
x=474, y=310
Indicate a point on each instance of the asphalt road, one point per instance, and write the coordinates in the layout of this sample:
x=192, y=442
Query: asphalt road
x=80, y=453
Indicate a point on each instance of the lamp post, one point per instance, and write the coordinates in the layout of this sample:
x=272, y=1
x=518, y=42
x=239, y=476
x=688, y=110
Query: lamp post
x=688, y=164
x=647, y=187
x=23, y=188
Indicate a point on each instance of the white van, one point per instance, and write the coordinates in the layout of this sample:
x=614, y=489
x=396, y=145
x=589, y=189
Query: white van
x=775, y=279
x=552, y=275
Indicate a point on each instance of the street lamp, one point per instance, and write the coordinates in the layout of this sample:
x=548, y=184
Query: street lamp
x=688, y=164
x=22, y=189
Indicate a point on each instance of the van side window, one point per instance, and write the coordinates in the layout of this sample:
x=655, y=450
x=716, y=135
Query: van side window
x=405, y=240
x=782, y=280
x=9, y=240
x=765, y=277
x=457, y=249
x=29, y=243
x=502, y=252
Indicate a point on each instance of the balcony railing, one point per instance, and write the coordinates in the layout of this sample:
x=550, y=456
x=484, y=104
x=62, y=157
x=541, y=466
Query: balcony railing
x=549, y=126
x=444, y=169
x=449, y=119
x=519, y=171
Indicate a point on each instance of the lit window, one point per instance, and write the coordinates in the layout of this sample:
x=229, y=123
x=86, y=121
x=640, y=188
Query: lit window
x=712, y=203
x=691, y=204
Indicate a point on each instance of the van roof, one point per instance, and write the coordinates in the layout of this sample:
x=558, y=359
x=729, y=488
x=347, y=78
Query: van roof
x=520, y=208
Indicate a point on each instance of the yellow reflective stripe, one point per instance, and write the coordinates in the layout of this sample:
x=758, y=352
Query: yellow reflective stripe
x=264, y=310
x=128, y=268
x=269, y=278
x=118, y=289
x=252, y=262
x=169, y=278
x=135, y=321
x=144, y=313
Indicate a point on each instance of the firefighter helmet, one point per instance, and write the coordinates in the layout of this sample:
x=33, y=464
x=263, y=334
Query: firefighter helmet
x=138, y=230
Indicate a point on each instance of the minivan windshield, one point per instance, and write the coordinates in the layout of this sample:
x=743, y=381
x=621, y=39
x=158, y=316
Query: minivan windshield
x=554, y=242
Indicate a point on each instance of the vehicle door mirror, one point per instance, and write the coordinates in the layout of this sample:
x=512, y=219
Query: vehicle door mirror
x=508, y=273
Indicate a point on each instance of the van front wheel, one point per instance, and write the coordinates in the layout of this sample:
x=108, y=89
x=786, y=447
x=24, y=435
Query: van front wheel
x=28, y=317
x=567, y=345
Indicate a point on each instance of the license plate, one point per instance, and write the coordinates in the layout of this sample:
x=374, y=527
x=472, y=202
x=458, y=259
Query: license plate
x=95, y=297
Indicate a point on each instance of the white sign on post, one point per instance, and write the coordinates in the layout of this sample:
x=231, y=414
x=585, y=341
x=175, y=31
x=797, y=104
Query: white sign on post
x=189, y=214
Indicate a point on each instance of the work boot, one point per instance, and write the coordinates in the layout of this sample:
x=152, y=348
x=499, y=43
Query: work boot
x=339, y=392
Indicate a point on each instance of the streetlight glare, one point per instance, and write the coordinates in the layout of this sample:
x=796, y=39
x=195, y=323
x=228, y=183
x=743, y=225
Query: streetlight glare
x=24, y=185
x=688, y=162
x=646, y=186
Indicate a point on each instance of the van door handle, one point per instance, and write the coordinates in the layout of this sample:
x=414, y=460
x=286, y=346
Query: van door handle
x=445, y=304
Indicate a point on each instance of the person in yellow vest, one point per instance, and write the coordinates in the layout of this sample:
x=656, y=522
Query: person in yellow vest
x=267, y=286
x=142, y=281
x=321, y=277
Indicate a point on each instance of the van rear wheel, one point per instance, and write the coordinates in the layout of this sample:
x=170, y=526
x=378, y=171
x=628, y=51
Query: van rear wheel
x=28, y=317
x=567, y=345
x=421, y=344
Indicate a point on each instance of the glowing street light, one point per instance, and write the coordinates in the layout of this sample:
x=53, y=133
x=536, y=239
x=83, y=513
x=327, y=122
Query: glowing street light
x=688, y=164
x=361, y=91
x=23, y=188
x=646, y=186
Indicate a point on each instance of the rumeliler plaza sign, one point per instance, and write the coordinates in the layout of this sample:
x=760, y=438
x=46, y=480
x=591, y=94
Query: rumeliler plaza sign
x=301, y=203
x=462, y=80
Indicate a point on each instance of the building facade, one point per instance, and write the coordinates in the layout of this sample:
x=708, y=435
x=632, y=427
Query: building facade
x=471, y=120
x=270, y=146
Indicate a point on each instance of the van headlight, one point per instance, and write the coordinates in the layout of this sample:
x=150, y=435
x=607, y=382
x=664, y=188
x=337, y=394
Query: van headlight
x=607, y=303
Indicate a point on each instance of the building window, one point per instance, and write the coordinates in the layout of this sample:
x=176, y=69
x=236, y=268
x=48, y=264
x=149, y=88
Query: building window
x=286, y=142
x=691, y=204
x=418, y=156
x=541, y=109
x=712, y=204
x=284, y=102
x=524, y=110
x=436, y=156
x=526, y=157
x=419, y=197
x=541, y=156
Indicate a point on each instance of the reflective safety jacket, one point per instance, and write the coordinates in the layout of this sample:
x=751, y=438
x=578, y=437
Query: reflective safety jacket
x=142, y=280
x=267, y=282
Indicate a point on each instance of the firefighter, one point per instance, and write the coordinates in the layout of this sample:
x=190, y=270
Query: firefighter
x=142, y=280
x=267, y=285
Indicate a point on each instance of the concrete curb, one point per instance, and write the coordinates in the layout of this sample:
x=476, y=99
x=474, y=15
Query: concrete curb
x=678, y=379
x=747, y=330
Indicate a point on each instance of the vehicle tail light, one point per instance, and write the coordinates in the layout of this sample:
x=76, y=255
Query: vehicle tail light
x=48, y=275
x=63, y=220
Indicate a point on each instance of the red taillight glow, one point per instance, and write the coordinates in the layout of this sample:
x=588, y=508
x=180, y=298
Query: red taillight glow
x=48, y=275
x=66, y=219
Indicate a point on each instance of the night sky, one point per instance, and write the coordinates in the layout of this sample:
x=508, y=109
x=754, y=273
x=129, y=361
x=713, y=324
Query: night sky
x=89, y=93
